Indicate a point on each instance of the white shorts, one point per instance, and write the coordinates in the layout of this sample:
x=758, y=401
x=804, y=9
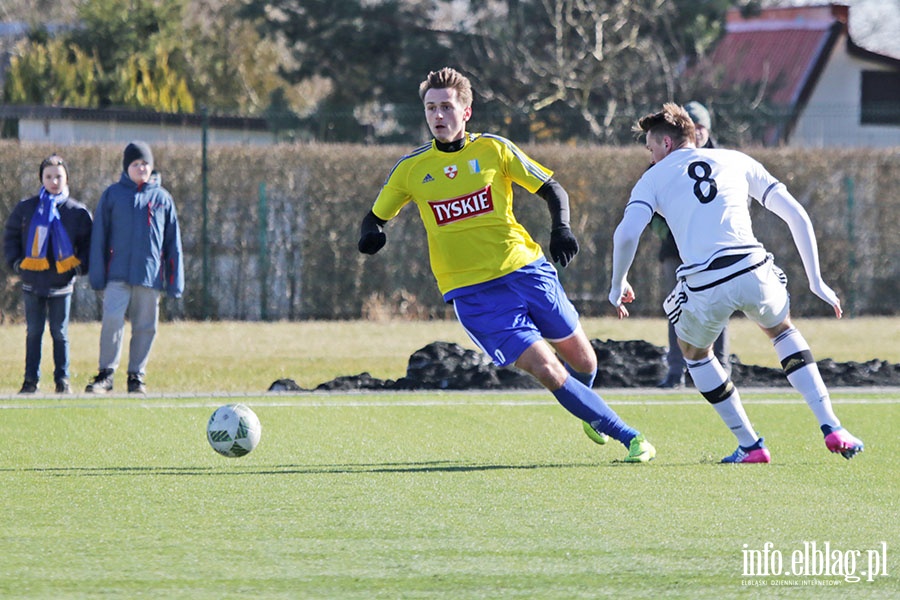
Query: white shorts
x=700, y=316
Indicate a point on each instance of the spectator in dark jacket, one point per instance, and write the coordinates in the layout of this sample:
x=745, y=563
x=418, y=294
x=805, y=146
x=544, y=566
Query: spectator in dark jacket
x=47, y=242
x=136, y=250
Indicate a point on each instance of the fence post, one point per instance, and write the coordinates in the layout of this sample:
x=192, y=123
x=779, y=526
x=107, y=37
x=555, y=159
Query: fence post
x=263, y=254
x=851, y=242
x=204, y=186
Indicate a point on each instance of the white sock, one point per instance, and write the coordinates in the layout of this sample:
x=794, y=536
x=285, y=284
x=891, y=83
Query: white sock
x=711, y=380
x=803, y=374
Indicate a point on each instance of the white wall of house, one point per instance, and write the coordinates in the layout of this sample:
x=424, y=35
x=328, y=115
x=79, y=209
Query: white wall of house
x=832, y=115
x=71, y=131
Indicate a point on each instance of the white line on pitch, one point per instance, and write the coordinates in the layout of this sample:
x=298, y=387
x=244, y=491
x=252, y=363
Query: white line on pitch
x=339, y=403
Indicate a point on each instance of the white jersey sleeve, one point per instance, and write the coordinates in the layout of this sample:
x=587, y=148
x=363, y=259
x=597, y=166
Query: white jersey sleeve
x=782, y=203
x=625, y=243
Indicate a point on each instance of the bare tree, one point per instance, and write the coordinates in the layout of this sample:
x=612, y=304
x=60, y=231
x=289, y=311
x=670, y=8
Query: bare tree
x=37, y=12
x=599, y=61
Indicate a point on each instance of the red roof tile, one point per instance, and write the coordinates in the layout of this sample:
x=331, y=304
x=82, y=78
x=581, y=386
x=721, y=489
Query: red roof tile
x=782, y=55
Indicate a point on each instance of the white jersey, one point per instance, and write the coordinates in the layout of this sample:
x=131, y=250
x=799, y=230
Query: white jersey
x=702, y=193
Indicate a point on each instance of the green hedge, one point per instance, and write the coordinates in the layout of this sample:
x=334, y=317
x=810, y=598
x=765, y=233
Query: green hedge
x=315, y=195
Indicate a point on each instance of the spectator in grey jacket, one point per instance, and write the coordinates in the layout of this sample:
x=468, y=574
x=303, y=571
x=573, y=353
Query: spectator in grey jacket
x=47, y=241
x=136, y=252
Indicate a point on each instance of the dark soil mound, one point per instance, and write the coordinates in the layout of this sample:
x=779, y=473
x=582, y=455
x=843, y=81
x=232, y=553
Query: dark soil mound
x=628, y=364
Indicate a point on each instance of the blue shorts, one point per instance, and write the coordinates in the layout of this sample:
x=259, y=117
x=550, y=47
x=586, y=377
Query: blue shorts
x=506, y=316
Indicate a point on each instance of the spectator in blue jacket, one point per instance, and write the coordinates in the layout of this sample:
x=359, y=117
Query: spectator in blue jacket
x=47, y=241
x=136, y=252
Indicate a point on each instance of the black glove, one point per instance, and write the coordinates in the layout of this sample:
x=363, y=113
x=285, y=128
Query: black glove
x=563, y=245
x=372, y=242
x=371, y=237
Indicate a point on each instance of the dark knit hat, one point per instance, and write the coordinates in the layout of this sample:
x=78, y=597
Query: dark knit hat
x=698, y=113
x=136, y=150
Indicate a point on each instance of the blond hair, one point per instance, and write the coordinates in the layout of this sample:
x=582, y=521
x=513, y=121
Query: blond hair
x=448, y=78
x=673, y=121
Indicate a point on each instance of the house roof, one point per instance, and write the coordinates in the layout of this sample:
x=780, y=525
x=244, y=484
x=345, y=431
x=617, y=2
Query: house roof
x=785, y=49
x=784, y=59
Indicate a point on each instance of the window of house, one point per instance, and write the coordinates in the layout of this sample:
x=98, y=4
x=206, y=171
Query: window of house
x=880, y=98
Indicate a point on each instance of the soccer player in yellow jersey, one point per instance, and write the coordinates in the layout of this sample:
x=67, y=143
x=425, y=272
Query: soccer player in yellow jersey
x=506, y=295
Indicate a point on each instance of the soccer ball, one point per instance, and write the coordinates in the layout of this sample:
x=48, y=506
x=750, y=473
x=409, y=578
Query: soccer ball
x=233, y=430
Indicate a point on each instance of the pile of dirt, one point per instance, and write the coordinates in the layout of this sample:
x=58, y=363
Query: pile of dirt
x=623, y=364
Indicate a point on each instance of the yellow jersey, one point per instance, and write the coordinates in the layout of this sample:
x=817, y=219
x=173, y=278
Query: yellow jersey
x=465, y=200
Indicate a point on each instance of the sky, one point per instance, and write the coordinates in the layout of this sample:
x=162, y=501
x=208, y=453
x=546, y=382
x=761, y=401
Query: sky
x=877, y=24
x=874, y=24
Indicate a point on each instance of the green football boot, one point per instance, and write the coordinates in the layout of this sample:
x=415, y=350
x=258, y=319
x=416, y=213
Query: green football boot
x=640, y=450
x=596, y=436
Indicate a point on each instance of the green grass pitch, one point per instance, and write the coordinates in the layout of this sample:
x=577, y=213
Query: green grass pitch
x=441, y=495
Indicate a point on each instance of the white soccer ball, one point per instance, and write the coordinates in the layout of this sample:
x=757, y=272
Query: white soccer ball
x=233, y=430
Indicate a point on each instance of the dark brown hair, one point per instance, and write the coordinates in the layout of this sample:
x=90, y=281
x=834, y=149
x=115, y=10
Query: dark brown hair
x=54, y=160
x=672, y=121
x=448, y=78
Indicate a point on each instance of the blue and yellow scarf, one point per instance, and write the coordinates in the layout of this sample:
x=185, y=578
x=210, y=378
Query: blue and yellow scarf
x=46, y=224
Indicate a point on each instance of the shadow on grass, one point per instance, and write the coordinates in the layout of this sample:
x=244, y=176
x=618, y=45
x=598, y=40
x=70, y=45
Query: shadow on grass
x=335, y=469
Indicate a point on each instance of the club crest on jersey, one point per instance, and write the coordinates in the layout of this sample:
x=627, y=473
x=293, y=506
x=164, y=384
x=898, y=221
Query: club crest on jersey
x=463, y=207
x=451, y=171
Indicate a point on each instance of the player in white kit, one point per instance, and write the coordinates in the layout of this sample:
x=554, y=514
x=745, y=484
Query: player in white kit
x=702, y=194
